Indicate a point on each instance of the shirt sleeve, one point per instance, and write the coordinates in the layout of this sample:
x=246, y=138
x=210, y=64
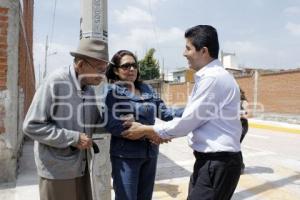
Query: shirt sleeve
x=39, y=126
x=201, y=108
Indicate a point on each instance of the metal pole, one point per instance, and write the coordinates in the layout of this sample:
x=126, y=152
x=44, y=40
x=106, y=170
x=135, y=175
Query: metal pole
x=93, y=25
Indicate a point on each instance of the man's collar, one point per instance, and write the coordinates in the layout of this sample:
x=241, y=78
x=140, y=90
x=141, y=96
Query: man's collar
x=213, y=63
x=74, y=77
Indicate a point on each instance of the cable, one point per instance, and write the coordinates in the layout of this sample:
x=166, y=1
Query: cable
x=153, y=25
x=156, y=36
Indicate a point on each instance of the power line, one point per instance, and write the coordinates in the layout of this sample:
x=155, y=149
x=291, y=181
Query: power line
x=155, y=32
x=153, y=25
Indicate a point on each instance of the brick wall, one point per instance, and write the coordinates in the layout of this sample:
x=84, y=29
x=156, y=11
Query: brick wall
x=17, y=81
x=176, y=94
x=26, y=68
x=3, y=47
x=247, y=84
x=3, y=61
x=278, y=92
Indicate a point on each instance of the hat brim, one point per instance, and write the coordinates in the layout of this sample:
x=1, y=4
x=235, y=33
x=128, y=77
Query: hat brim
x=82, y=55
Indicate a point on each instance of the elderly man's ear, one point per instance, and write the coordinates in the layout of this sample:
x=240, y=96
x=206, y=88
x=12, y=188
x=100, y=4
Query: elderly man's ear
x=79, y=66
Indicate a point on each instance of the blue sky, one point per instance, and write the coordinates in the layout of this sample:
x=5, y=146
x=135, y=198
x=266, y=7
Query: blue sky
x=262, y=33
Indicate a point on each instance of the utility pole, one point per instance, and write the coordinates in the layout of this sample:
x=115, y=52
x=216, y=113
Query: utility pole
x=46, y=55
x=93, y=21
x=93, y=25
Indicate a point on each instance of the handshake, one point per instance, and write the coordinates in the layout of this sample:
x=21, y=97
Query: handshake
x=136, y=131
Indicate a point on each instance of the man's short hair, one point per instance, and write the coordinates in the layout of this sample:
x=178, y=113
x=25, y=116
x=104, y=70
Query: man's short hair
x=204, y=36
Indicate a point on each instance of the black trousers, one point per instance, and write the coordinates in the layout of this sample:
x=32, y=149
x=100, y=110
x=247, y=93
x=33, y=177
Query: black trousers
x=215, y=175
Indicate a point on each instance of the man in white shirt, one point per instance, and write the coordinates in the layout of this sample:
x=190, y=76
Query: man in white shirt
x=210, y=120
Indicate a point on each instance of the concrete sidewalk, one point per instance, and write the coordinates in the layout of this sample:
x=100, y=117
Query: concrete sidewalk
x=269, y=175
x=26, y=186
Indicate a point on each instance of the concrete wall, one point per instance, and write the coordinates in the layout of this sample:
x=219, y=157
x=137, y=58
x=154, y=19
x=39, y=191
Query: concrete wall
x=9, y=92
x=13, y=75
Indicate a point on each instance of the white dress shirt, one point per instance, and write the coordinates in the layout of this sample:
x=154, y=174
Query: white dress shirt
x=211, y=118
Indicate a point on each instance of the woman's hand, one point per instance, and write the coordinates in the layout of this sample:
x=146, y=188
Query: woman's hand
x=135, y=130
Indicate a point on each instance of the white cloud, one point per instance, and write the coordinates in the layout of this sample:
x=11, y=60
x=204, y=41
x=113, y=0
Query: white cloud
x=131, y=15
x=293, y=28
x=292, y=11
x=140, y=39
x=248, y=53
x=167, y=42
x=243, y=47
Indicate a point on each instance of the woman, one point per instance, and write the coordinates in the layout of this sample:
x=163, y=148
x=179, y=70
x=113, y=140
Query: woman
x=133, y=162
x=244, y=121
x=244, y=114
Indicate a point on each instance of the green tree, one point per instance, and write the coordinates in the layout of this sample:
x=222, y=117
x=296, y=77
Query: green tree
x=149, y=66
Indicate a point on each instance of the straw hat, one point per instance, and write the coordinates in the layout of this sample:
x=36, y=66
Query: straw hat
x=91, y=48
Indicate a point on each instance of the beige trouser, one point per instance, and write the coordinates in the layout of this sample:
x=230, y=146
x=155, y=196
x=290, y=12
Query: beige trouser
x=70, y=189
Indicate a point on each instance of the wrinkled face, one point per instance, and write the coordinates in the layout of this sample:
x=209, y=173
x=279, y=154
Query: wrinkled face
x=91, y=71
x=196, y=59
x=127, y=70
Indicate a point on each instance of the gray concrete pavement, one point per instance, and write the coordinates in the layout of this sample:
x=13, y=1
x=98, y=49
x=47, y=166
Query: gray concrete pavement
x=26, y=186
x=272, y=172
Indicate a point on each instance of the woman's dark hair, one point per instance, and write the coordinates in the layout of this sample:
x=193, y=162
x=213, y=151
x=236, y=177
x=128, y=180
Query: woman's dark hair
x=204, y=36
x=115, y=63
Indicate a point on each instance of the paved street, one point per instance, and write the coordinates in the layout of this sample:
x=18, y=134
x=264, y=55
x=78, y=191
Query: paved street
x=272, y=169
x=272, y=172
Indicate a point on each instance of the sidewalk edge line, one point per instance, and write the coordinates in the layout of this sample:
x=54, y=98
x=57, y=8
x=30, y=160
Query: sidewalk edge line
x=274, y=128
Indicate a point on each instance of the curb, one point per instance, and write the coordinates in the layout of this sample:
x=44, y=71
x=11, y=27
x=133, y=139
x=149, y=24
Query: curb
x=274, y=126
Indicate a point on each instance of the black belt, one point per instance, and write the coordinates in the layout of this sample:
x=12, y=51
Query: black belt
x=201, y=155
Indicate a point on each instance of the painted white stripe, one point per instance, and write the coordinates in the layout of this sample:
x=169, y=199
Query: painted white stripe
x=253, y=148
x=259, y=152
x=266, y=153
x=257, y=136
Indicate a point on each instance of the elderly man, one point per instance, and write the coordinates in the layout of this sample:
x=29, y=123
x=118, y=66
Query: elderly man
x=211, y=120
x=61, y=121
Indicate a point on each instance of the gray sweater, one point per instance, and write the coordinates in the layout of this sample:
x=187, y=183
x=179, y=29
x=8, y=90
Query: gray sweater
x=58, y=114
